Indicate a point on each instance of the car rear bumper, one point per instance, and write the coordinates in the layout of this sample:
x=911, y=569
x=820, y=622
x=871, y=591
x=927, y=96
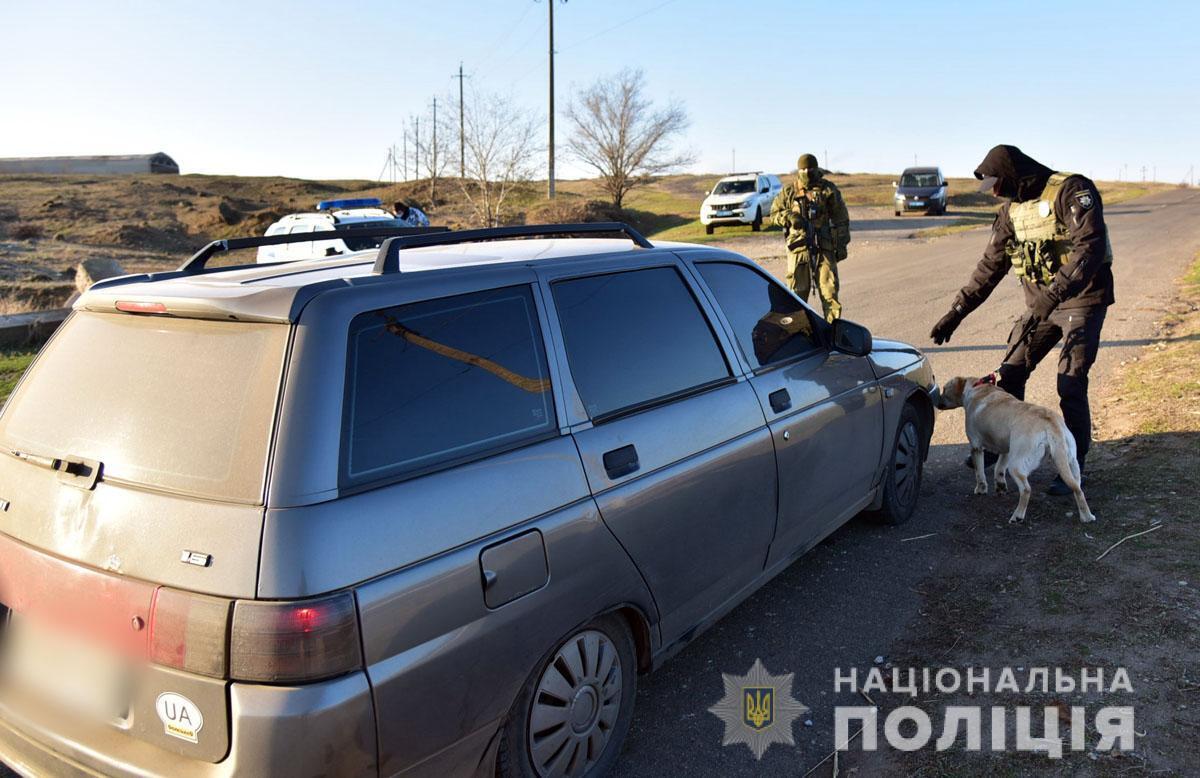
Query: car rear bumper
x=319, y=729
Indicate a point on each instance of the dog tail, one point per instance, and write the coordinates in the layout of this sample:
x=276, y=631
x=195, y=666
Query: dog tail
x=1064, y=453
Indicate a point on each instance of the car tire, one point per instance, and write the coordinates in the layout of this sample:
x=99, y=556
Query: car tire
x=597, y=715
x=896, y=213
x=756, y=225
x=708, y=229
x=902, y=481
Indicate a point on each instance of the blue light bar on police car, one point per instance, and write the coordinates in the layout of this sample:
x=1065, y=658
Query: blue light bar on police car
x=358, y=202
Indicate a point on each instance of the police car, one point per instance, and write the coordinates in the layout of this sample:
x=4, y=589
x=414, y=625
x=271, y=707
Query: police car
x=739, y=198
x=355, y=213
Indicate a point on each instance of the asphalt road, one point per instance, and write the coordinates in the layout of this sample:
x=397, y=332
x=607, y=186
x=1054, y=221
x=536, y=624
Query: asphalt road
x=852, y=598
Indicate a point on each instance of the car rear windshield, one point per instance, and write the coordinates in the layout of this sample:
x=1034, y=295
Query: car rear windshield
x=733, y=187
x=919, y=180
x=182, y=405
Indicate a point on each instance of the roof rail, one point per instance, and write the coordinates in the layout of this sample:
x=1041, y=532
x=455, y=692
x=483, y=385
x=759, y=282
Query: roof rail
x=388, y=259
x=198, y=261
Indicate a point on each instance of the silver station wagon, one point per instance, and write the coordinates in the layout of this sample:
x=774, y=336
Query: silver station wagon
x=427, y=510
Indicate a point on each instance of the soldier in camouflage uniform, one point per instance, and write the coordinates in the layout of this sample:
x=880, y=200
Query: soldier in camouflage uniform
x=1051, y=232
x=817, y=229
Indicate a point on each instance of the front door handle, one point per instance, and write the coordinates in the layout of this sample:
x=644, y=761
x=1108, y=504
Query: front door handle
x=621, y=461
x=780, y=400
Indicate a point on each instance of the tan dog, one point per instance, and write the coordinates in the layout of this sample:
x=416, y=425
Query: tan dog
x=1020, y=433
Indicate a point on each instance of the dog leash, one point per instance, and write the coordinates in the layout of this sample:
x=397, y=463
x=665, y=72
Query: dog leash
x=1027, y=328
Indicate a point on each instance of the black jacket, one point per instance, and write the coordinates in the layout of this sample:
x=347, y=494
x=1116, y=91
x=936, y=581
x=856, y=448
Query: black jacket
x=1085, y=280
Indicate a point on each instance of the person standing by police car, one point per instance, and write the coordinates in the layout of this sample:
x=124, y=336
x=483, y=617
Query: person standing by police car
x=1051, y=232
x=817, y=229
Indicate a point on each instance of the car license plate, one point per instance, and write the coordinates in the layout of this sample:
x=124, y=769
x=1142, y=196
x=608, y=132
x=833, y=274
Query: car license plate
x=917, y=202
x=724, y=213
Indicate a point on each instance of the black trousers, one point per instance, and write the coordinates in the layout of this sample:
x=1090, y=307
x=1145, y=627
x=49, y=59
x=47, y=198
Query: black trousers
x=1079, y=330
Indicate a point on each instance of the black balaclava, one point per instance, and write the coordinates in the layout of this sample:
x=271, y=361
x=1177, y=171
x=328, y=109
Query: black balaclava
x=1019, y=177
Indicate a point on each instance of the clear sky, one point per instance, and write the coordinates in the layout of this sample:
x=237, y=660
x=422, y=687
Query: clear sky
x=321, y=89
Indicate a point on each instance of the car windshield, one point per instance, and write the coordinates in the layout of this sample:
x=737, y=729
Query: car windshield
x=733, y=187
x=919, y=180
x=363, y=244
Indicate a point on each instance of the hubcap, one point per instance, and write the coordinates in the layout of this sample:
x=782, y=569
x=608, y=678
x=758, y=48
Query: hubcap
x=576, y=706
x=908, y=463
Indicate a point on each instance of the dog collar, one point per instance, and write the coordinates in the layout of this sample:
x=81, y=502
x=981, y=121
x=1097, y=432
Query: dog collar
x=990, y=378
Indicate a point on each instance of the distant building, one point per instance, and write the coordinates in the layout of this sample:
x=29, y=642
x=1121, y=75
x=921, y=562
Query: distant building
x=124, y=164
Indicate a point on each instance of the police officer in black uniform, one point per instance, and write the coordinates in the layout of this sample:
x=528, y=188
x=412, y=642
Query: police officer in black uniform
x=1051, y=232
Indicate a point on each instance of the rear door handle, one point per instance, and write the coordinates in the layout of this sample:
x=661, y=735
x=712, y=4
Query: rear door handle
x=780, y=400
x=621, y=461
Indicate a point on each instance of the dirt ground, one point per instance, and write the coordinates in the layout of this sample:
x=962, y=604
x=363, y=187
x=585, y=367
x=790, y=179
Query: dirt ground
x=1037, y=594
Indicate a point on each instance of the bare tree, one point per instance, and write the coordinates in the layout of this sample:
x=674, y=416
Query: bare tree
x=619, y=133
x=501, y=147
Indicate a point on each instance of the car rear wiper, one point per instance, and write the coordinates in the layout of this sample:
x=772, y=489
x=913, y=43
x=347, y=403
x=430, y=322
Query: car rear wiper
x=76, y=471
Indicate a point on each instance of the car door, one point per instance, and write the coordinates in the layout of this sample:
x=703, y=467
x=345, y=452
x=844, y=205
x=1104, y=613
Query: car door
x=673, y=440
x=823, y=407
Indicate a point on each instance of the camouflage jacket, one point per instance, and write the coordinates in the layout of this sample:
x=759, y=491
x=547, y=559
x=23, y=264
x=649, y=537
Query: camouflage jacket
x=830, y=222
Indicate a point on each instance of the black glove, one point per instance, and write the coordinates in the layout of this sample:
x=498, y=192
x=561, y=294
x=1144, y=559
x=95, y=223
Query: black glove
x=1044, y=303
x=795, y=220
x=946, y=325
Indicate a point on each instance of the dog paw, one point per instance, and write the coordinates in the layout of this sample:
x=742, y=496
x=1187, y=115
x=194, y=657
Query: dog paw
x=1001, y=487
x=981, y=489
x=1087, y=518
x=1016, y=518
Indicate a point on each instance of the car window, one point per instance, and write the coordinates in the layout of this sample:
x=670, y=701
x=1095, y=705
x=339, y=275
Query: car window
x=742, y=186
x=919, y=180
x=770, y=324
x=442, y=380
x=634, y=338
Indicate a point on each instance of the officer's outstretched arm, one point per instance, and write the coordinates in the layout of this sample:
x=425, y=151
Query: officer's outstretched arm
x=992, y=267
x=1079, y=207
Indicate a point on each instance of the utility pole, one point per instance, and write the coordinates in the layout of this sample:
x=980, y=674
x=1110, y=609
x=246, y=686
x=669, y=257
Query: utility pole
x=462, y=135
x=733, y=161
x=405, y=155
x=550, y=148
x=826, y=166
x=433, y=170
x=1143, y=174
x=416, y=148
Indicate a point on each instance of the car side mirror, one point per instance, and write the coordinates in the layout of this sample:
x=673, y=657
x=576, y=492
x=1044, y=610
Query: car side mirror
x=895, y=184
x=851, y=338
x=707, y=192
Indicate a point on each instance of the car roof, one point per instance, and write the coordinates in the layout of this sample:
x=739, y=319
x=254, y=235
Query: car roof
x=921, y=170
x=741, y=176
x=271, y=291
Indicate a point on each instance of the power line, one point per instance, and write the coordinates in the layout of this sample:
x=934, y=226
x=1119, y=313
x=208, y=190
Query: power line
x=607, y=30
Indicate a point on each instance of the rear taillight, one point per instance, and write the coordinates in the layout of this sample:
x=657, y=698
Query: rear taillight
x=189, y=632
x=257, y=641
x=289, y=642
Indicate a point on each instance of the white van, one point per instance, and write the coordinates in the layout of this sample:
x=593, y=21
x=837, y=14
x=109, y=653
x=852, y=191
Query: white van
x=740, y=198
x=362, y=213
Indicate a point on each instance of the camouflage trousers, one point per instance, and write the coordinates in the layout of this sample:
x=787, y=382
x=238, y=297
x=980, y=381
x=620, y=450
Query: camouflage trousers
x=800, y=280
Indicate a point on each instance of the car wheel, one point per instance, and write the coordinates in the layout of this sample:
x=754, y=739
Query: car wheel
x=708, y=229
x=896, y=213
x=902, y=481
x=573, y=713
x=756, y=225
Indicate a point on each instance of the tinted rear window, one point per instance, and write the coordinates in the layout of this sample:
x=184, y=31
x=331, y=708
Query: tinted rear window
x=443, y=380
x=770, y=324
x=635, y=337
x=183, y=405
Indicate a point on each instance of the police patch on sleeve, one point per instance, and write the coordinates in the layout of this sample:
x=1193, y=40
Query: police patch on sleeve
x=1084, y=199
